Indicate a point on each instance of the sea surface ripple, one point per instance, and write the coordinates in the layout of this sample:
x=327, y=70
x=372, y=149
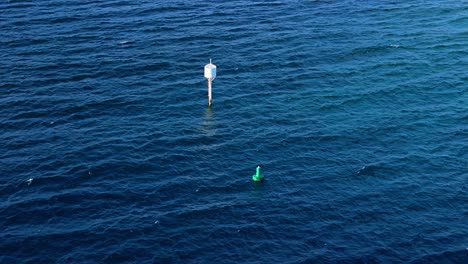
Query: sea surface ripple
x=357, y=112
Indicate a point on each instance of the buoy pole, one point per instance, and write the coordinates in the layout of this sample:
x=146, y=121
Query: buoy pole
x=210, y=75
x=209, y=92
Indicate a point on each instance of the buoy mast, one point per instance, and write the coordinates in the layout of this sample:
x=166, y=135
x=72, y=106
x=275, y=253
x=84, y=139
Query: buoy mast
x=210, y=75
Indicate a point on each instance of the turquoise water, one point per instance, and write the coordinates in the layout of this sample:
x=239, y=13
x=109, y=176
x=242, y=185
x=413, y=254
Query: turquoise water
x=357, y=112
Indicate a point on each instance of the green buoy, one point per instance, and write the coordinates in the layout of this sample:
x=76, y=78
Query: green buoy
x=258, y=175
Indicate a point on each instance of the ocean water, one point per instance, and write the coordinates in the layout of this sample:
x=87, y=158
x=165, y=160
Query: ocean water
x=357, y=112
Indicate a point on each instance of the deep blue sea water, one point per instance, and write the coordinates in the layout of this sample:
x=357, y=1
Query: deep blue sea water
x=357, y=112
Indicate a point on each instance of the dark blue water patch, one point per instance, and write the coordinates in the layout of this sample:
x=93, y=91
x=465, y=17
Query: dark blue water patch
x=445, y=257
x=355, y=111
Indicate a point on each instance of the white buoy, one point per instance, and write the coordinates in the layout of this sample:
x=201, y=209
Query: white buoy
x=210, y=74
